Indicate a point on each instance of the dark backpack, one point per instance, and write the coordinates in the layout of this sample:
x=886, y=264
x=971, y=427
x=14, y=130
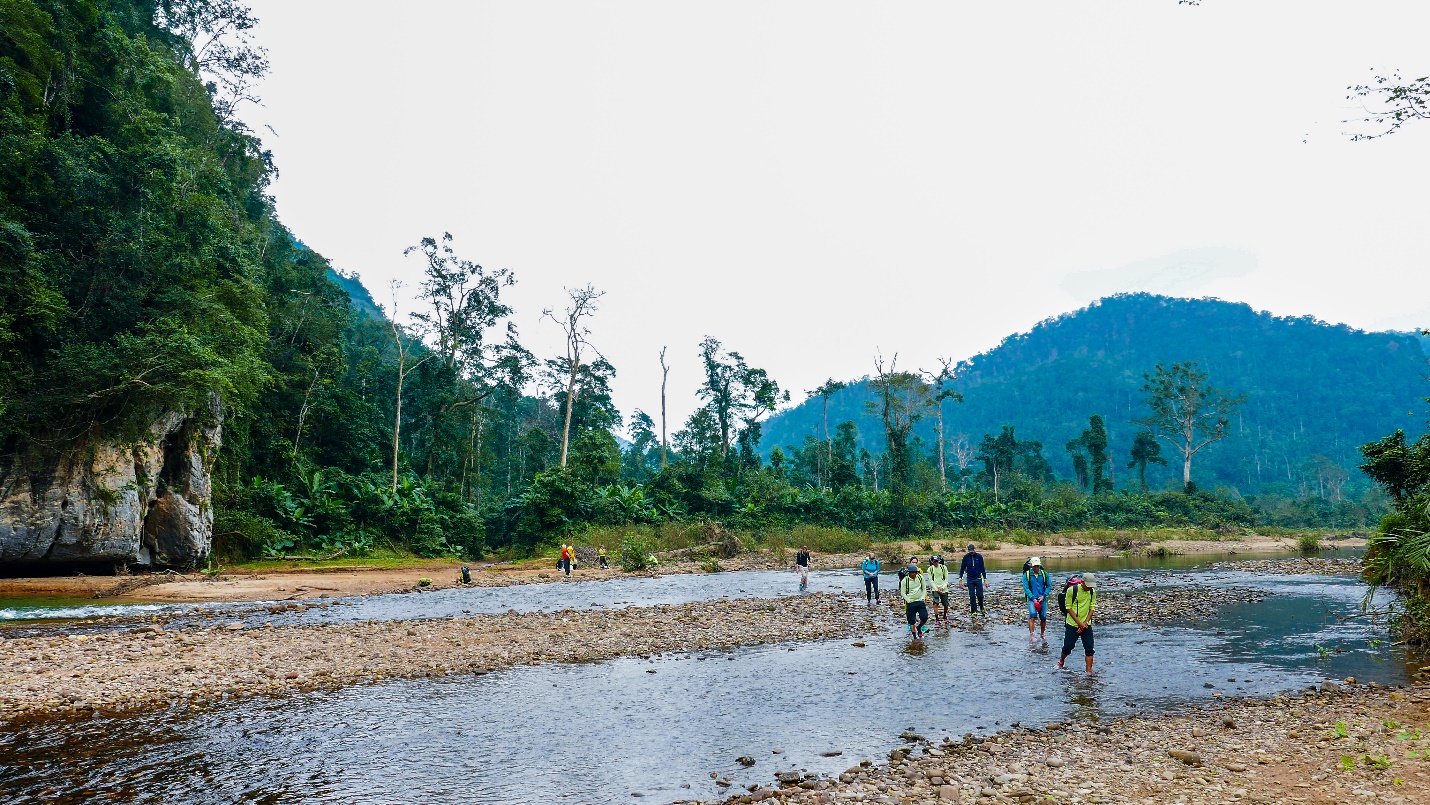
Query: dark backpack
x=1063, y=597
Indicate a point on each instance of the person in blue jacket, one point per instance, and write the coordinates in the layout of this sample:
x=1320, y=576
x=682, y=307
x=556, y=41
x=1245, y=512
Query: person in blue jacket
x=972, y=567
x=871, y=579
x=1036, y=585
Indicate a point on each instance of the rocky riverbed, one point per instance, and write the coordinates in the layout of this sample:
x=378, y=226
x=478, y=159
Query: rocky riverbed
x=152, y=666
x=1305, y=565
x=1342, y=743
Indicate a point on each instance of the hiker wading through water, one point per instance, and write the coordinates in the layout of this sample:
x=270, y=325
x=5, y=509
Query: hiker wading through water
x=1036, y=585
x=914, y=592
x=801, y=563
x=938, y=586
x=1079, y=599
x=871, y=579
x=972, y=566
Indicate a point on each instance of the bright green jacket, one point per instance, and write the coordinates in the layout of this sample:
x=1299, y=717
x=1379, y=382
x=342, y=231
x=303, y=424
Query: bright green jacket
x=1080, y=601
x=938, y=578
x=912, y=588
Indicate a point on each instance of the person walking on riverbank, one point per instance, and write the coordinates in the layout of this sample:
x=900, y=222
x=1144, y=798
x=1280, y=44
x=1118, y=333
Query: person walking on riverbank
x=972, y=566
x=601, y=559
x=871, y=579
x=1079, y=600
x=568, y=554
x=801, y=564
x=938, y=587
x=1035, y=589
x=914, y=591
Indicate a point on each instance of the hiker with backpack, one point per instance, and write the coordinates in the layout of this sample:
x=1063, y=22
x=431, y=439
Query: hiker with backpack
x=1036, y=586
x=972, y=565
x=914, y=591
x=871, y=579
x=1077, y=602
x=801, y=564
x=568, y=555
x=938, y=586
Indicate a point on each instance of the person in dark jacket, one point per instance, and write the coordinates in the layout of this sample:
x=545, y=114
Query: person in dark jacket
x=972, y=567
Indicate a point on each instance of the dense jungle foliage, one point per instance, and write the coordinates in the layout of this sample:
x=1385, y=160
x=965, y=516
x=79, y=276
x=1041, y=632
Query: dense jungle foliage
x=1399, y=553
x=144, y=269
x=1315, y=392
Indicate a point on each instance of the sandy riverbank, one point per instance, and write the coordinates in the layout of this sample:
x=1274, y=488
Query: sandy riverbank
x=1346, y=744
x=301, y=583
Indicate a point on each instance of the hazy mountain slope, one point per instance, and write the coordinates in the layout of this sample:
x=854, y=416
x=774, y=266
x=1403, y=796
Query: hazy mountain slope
x=1312, y=387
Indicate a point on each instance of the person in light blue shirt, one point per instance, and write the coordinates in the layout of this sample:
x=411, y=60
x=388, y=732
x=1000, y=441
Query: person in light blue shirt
x=1036, y=585
x=871, y=578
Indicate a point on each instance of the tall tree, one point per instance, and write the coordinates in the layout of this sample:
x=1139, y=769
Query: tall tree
x=664, y=376
x=942, y=392
x=734, y=391
x=1186, y=412
x=1145, y=450
x=572, y=322
x=404, y=346
x=824, y=392
x=1090, y=457
x=900, y=399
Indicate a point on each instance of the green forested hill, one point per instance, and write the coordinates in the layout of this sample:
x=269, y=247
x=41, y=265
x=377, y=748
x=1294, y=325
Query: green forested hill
x=1313, y=388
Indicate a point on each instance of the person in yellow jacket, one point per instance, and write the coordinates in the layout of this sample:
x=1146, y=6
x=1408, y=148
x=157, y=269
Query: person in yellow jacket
x=1079, y=601
x=914, y=590
x=938, y=587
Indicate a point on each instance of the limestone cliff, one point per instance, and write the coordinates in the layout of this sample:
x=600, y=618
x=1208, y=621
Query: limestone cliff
x=147, y=502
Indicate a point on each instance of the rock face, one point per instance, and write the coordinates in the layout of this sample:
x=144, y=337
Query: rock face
x=147, y=503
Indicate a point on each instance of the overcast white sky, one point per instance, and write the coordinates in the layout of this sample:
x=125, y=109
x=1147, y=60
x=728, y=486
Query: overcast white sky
x=810, y=181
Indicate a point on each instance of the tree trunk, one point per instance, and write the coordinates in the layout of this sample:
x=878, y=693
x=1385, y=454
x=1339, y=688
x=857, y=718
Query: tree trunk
x=1186, y=469
x=828, y=447
x=664, y=375
x=942, y=461
x=397, y=420
x=570, y=403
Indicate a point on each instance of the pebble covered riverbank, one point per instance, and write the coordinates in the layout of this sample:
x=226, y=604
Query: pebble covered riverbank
x=1343, y=743
x=1305, y=565
x=151, y=666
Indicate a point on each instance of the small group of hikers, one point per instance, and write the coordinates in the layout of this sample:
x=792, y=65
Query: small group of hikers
x=917, y=587
x=566, y=560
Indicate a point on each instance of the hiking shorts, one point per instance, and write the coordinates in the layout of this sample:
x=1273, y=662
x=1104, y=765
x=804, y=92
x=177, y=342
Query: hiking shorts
x=1034, y=611
x=1071, y=636
x=940, y=598
x=918, y=610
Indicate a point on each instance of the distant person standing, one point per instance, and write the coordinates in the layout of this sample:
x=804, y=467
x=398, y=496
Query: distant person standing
x=914, y=591
x=1079, y=600
x=871, y=578
x=564, y=563
x=1036, y=585
x=601, y=559
x=972, y=567
x=801, y=564
x=938, y=587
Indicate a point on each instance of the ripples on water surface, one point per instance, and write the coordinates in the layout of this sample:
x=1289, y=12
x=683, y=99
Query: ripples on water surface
x=600, y=732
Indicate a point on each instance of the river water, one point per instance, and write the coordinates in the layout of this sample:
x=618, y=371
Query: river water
x=605, y=732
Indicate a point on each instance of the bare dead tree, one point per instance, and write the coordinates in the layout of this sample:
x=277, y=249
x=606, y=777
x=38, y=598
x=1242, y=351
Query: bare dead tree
x=664, y=376
x=582, y=306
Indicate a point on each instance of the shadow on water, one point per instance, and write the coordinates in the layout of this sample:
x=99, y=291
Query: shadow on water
x=600, y=732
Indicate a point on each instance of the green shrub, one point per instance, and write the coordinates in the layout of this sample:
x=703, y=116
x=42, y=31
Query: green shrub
x=1309, y=543
x=635, y=554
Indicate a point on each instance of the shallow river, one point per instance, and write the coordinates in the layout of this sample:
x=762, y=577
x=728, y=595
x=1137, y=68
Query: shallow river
x=604, y=732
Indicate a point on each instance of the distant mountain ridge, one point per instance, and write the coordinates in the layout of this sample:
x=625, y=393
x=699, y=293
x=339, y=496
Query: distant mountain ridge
x=1313, y=388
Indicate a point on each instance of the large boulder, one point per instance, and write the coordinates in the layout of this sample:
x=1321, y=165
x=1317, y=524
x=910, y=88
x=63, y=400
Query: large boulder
x=148, y=502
